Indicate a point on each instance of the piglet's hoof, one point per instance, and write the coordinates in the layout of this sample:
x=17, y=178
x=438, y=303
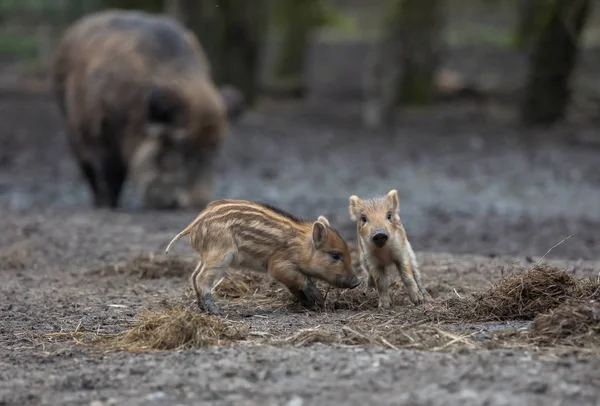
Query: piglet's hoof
x=310, y=296
x=209, y=306
x=417, y=299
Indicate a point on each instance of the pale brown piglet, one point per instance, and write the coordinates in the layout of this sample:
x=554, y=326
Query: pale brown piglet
x=383, y=245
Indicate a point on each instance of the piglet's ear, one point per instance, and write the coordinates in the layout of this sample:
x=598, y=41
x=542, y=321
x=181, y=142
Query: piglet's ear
x=319, y=234
x=323, y=220
x=353, y=205
x=392, y=200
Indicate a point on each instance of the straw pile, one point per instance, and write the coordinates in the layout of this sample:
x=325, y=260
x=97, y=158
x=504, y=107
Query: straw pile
x=177, y=328
x=574, y=323
x=522, y=296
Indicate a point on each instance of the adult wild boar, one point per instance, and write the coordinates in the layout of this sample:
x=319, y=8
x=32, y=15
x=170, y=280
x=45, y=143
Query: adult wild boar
x=139, y=101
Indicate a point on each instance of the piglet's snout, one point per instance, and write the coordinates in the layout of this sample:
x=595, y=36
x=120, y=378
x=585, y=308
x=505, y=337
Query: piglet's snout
x=379, y=238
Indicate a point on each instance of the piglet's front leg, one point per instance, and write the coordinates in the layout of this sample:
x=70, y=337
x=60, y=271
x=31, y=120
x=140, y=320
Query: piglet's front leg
x=381, y=281
x=408, y=279
x=301, y=286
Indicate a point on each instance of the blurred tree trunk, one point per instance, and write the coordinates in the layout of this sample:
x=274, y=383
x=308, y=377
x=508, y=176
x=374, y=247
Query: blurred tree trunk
x=529, y=14
x=381, y=79
x=419, y=22
x=547, y=93
x=295, y=22
x=232, y=34
x=402, y=67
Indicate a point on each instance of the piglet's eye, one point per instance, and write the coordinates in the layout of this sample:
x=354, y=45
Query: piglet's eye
x=363, y=218
x=335, y=256
x=389, y=216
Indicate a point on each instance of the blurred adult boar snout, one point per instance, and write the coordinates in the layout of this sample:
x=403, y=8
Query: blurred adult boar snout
x=139, y=101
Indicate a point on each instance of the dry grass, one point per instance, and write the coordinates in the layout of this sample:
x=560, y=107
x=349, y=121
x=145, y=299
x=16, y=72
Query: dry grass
x=558, y=301
x=177, y=328
x=151, y=266
x=516, y=296
x=363, y=297
x=15, y=256
x=242, y=285
x=523, y=295
x=574, y=323
x=394, y=337
x=253, y=292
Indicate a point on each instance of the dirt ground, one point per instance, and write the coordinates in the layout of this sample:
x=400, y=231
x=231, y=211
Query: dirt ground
x=480, y=197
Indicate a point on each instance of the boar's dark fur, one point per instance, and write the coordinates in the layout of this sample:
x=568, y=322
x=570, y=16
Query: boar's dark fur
x=139, y=102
